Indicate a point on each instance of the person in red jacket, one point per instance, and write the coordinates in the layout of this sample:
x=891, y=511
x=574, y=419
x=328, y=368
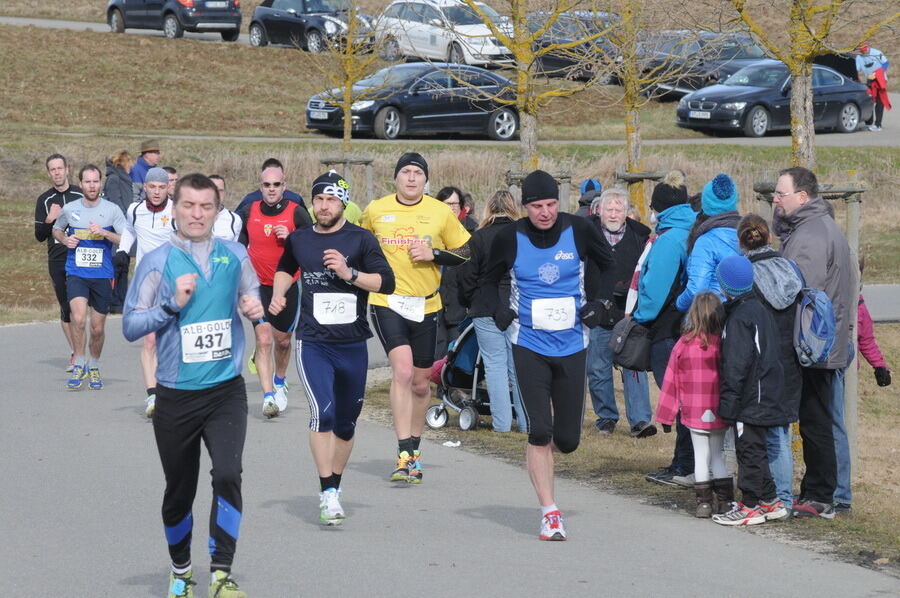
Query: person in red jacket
x=691, y=388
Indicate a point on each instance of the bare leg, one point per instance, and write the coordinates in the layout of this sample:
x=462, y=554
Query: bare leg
x=329, y=452
x=148, y=360
x=98, y=333
x=539, y=460
x=421, y=396
x=282, y=352
x=265, y=364
x=401, y=390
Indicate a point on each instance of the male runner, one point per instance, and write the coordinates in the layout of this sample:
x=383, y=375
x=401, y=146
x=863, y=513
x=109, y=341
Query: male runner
x=545, y=254
x=340, y=263
x=89, y=228
x=46, y=211
x=418, y=234
x=228, y=224
x=149, y=223
x=267, y=223
x=189, y=291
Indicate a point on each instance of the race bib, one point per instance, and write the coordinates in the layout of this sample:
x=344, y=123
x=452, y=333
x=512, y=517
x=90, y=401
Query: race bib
x=206, y=341
x=411, y=308
x=334, y=308
x=88, y=257
x=557, y=313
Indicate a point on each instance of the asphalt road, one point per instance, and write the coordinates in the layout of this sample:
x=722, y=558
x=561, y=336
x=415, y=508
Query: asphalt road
x=83, y=485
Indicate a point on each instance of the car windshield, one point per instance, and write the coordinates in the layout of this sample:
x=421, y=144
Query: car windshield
x=758, y=76
x=327, y=5
x=490, y=12
x=388, y=77
x=461, y=15
x=736, y=50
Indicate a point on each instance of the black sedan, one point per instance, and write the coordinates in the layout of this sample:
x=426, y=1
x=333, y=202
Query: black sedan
x=309, y=24
x=174, y=17
x=584, y=60
x=757, y=99
x=422, y=98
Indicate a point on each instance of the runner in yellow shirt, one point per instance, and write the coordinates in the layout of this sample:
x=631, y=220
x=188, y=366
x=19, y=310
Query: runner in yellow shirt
x=418, y=235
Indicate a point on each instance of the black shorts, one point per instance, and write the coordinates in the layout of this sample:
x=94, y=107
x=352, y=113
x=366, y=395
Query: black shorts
x=98, y=292
x=58, y=278
x=285, y=321
x=394, y=331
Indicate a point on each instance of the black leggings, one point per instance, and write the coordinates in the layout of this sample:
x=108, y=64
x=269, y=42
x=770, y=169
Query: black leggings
x=58, y=278
x=218, y=416
x=553, y=396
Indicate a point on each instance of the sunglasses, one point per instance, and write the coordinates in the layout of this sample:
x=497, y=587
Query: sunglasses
x=276, y=184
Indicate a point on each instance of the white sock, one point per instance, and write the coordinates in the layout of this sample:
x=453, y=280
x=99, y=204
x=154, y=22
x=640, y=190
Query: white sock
x=181, y=570
x=548, y=509
x=93, y=362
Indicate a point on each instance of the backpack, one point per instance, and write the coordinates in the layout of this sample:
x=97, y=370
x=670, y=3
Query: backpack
x=814, y=327
x=630, y=343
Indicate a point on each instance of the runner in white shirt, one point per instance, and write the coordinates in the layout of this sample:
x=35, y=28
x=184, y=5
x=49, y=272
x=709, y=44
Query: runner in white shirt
x=228, y=225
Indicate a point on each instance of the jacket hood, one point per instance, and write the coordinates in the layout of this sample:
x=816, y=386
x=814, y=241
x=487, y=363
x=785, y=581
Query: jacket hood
x=680, y=216
x=775, y=278
x=812, y=210
x=586, y=199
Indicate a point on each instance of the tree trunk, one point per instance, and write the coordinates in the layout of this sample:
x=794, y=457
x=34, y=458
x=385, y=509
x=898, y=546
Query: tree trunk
x=528, y=155
x=803, y=133
x=631, y=80
x=348, y=118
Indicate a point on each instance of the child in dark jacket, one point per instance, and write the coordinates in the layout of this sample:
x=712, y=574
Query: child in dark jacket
x=691, y=388
x=751, y=379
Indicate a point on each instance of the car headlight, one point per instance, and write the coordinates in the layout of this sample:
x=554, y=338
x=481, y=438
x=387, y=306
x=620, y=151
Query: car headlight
x=361, y=105
x=734, y=106
x=330, y=28
x=682, y=103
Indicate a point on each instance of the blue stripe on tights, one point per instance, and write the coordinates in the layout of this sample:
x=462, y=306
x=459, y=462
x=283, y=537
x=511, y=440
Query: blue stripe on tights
x=212, y=545
x=227, y=517
x=178, y=532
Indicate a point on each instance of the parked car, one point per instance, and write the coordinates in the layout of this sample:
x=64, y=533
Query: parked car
x=582, y=61
x=422, y=98
x=757, y=99
x=445, y=30
x=684, y=61
x=174, y=17
x=309, y=24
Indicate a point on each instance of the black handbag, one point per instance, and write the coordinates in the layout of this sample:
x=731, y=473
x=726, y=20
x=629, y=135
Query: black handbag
x=630, y=343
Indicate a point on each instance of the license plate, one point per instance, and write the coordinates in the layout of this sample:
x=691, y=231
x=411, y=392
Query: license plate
x=217, y=4
x=698, y=114
x=318, y=115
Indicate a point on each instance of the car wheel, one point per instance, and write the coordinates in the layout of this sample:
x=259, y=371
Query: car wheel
x=258, y=36
x=390, y=50
x=757, y=122
x=171, y=27
x=848, y=118
x=230, y=36
x=388, y=123
x=116, y=21
x=456, y=55
x=503, y=125
x=315, y=43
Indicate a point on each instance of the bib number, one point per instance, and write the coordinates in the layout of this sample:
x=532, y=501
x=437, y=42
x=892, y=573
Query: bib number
x=411, y=308
x=88, y=257
x=557, y=313
x=206, y=341
x=334, y=308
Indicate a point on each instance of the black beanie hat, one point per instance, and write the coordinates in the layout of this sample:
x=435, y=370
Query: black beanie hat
x=331, y=183
x=669, y=192
x=414, y=159
x=539, y=185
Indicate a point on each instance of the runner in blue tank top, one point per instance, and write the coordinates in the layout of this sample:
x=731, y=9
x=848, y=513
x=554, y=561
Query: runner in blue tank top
x=548, y=316
x=189, y=291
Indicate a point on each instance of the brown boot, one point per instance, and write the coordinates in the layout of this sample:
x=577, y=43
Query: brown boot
x=723, y=489
x=704, y=499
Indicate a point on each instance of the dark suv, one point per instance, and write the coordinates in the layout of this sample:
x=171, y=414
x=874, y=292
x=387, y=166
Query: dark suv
x=174, y=17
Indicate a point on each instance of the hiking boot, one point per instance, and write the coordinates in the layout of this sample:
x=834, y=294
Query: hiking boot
x=330, y=510
x=643, y=430
x=415, y=469
x=774, y=510
x=552, y=528
x=663, y=476
x=222, y=586
x=685, y=481
x=741, y=515
x=281, y=396
x=401, y=474
x=723, y=495
x=269, y=408
x=811, y=508
x=704, y=500
x=605, y=427
x=181, y=585
x=150, y=409
x=842, y=508
x=77, y=379
x=95, y=381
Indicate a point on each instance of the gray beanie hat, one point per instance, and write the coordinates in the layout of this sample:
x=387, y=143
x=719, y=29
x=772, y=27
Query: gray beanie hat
x=157, y=175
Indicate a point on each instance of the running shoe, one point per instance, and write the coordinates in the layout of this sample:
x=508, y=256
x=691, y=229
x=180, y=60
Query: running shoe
x=77, y=379
x=151, y=406
x=811, y=508
x=96, y=382
x=330, y=510
x=414, y=465
x=401, y=474
x=281, y=396
x=774, y=510
x=251, y=363
x=270, y=408
x=552, y=528
x=741, y=515
x=222, y=586
x=71, y=363
x=181, y=585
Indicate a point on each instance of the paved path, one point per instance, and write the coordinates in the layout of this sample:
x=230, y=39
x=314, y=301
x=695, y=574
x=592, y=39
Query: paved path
x=883, y=301
x=82, y=487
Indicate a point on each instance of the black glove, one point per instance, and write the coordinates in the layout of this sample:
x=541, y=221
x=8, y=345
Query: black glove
x=600, y=313
x=121, y=262
x=883, y=376
x=667, y=428
x=504, y=317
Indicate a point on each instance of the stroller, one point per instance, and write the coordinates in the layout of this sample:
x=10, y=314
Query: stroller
x=459, y=377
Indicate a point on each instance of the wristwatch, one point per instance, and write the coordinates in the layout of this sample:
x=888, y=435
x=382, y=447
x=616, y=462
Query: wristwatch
x=354, y=274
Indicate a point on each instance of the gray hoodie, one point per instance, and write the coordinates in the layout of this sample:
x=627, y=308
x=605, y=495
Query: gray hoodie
x=776, y=279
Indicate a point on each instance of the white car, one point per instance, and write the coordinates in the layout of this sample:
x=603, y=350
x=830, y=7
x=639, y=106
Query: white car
x=444, y=30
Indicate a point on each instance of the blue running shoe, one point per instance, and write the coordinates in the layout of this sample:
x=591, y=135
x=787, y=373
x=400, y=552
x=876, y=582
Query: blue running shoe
x=77, y=379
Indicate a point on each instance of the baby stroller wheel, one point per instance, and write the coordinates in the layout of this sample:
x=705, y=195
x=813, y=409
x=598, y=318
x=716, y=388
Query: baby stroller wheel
x=436, y=417
x=468, y=418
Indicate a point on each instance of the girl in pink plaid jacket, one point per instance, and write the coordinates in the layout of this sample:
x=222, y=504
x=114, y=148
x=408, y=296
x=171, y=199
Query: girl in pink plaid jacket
x=691, y=388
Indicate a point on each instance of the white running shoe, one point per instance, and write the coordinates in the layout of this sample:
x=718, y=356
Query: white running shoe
x=151, y=406
x=269, y=408
x=281, y=396
x=330, y=510
x=552, y=527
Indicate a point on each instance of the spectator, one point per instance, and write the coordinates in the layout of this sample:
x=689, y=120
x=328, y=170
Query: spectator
x=590, y=191
x=150, y=156
x=626, y=239
x=119, y=190
x=814, y=241
x=871, y=67
x=496, y=349
x=777, y=284
x=460, y=203
x=868, y=346
x=452, y=313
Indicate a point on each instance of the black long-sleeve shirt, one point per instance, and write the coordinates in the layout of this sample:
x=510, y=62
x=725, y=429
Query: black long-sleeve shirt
x=43, y=230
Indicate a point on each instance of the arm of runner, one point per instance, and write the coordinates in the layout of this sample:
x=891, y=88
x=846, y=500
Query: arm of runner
x=109, y=235
x=43, y=223
x=128, y=236
x=375, y=262
x=301, y=217
x=500, y=259
x=280, y=285
x=237, y=225
x=243, y=213
x=143, y=312
x=248, y=290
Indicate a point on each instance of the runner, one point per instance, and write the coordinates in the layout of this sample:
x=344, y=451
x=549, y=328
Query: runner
x=418, y=235
x=149, y=224
x=46, y=210
x=267, y=223
x=545, y=255
x=340, y=263
x=228, y=224
x=189, y=292
x=89, y=228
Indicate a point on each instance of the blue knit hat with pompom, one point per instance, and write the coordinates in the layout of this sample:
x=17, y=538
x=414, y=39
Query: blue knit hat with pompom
x=719, y=195
x=735, y=275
